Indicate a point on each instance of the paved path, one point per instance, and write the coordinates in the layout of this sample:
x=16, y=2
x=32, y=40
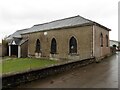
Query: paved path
x=96, y=75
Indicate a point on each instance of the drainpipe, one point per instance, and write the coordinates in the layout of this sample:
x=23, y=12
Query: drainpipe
x=9, y=50
x=93, y=41
x=19, y=51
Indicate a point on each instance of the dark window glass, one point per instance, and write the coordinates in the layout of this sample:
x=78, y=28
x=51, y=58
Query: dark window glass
x=101, y=40
x=37, y=50
x=72, y=45
x=106, y=41
x=53, y=46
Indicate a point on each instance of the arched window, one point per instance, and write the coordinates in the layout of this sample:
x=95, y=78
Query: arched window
x=37, y=50
x=53, y=46
x=101, y=40
x=72, y=45
x=107, y=41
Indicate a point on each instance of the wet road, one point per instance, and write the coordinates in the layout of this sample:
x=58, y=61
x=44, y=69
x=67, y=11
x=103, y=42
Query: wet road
x=96, y=75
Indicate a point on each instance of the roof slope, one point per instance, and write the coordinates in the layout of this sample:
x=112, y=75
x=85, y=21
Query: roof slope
x=17, y=34
x=67, y=22
x=71, y=21
x=17, y=41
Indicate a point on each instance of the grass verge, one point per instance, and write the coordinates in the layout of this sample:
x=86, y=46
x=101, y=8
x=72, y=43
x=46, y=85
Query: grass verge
x=24, y=64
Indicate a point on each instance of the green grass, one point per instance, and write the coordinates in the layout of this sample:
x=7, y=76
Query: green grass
x=23, y=64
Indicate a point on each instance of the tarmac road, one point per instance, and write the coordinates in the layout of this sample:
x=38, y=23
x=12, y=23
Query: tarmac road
x=96, y=75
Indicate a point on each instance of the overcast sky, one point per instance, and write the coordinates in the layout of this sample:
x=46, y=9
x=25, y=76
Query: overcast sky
x=21, y=14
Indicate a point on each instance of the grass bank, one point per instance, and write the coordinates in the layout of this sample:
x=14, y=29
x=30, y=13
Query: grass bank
x=24, y=64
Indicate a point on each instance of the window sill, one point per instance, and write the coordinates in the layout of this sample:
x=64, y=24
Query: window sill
x=73, y=54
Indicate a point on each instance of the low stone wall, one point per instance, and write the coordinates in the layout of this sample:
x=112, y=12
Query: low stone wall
x=0, y=50
x=3, y=50
x=16, y=79
x=112, y=50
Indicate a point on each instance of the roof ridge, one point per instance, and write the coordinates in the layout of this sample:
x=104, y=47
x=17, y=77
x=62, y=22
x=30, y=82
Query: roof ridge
x=87, y=19
x=23, y=29
x=57, y=20
x=17, y=31
x=115, y=40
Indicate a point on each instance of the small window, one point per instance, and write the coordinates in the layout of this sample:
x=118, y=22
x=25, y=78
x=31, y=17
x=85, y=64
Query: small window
x=37, y=50
x=53, y=46
x=72, y=45
x=101, y=40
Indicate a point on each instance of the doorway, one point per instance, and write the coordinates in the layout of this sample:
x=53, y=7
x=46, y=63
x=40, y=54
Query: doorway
x=14, y=50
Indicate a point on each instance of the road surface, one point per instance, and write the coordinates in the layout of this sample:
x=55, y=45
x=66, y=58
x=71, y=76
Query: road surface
x=96, y=75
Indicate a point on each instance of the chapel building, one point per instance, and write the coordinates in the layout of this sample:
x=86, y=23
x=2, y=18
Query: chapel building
x=74, y=38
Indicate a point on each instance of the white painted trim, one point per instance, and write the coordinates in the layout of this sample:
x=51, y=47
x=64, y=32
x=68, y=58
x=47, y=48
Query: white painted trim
x=13, y=43
x=9, y=50
x=93, y=40
x=19, y=51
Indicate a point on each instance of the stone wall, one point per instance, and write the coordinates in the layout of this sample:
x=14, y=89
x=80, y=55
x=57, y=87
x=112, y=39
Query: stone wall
x=0, y=50
x=101, y=51
x=16, y=79
x=83, y=35
x=112, y=50
x=3, y=50
x=24, y=49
